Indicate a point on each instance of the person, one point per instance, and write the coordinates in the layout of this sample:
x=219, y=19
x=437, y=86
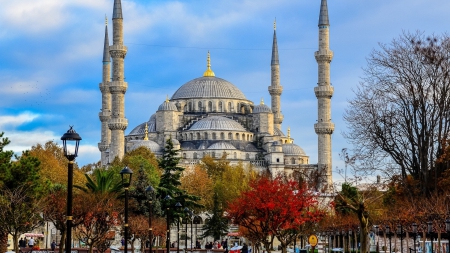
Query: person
x=122, y=241
x=244, y=248
x=197, y=244
x=22, y=242
x=31, y=242
x=53, y=245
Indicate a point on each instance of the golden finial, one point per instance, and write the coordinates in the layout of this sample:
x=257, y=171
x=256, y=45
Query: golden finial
x=289, y=135
x=275, y=24
x=262, y=101
x=106, y=20
x=167, y=98
x=146, y=132
x=208, y=71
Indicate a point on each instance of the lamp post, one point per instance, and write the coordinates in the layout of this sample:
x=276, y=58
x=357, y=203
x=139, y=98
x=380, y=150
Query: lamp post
x=178, y=207
x=126, y=174
x=149, y=191
x=167, y=200
x=400, y=232
x=447, y=229
x=70, y=153
x=350, y=240
x=191, y=214
x=388, y=232
x=430, y=232
x=188, y=214
x=414, y=230
x=377, y=229
x=197, y=220
x=186, y=211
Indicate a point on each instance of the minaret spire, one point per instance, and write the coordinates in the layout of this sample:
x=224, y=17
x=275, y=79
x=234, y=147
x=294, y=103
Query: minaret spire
x=208, y=71
x=105, y=114
x=324, y=91
x=118, y=123
x=275, y=89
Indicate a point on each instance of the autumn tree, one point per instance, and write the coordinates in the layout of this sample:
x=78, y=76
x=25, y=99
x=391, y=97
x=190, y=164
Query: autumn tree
x=271, y=207
x=196, y=181
x=400, y=109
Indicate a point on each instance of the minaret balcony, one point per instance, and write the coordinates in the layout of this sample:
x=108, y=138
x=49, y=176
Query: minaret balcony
x=325, y=91
x=104, y=116
x=118, y=47
x=324, y=55
x=103, y=146
x=118, y=87
x=118, y=124
x=324, y=128
x=275, y=90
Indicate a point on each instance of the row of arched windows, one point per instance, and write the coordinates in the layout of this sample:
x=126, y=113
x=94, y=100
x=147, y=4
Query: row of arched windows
x=217, y=136
x=221, y=107
x=213, y=155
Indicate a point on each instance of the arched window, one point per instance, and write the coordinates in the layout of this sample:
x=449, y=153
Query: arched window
x=190, y=106
x=243, y=137
x=210, y=106
x=278, y=160
x=184, y=155
x=206, y=136
x=198, y=136
x=222, y=136
x=229, y=106
x=292, y=160
x=237, y=136
x=200, y=106
x=230, y=136
x=213, y=136
x=235, y=155
x=195, y=155
x=220, y=106
x=213, y=154
x=247, y=156
x=192, y=136
x=248, y=137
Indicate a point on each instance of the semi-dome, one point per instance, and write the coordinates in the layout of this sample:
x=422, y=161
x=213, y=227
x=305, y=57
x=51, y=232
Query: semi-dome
x=153, y=146
x=167, y=106
x=217, y=123
x=293, y=149
x=278, y=132
x=261, y=108
x=152, y=118
x=221, y=145
x=208, y=87
x=140, y=129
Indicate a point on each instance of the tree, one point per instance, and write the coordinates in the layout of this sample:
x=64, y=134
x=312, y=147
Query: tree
x=196, y=181
x=352, y=201
x=271, y=207
x=102, y=181
x=170, y=182
x=217, y=225
x=401, y=108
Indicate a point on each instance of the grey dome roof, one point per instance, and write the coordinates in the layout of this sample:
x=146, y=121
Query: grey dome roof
x=261, y=108
x=153, y=146
x=140, y=129
x=221, y=145
x=187, y=146
x=167, y=106
x=293, y=149
x=208, y=87
x=278, y=132
x=152, y=118
x=217, y=123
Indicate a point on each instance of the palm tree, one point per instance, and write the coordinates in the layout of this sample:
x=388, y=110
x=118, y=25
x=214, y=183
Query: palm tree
x=103, y=181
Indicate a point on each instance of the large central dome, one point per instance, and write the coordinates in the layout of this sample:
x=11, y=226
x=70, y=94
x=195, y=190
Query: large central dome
x=208, y=87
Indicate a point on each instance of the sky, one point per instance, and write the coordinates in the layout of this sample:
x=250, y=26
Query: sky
x=51, y=59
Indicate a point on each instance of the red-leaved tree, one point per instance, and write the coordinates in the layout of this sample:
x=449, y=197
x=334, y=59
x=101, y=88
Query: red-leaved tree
x=274, y=208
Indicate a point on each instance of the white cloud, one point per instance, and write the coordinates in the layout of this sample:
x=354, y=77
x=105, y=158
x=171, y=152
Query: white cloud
x=13, y=121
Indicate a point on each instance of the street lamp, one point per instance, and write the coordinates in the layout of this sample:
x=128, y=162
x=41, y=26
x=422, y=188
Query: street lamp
x=414, y=230
x=400, y=232
x=430, y=232
x=70, y=153
x=447, y=228
x=351, y=241
x=126, y=174
x=186, y=211
x=149, y=191
x=167, y=200
x=377, y=229
x=197, y=220
x=388, y=232
x=178, y=207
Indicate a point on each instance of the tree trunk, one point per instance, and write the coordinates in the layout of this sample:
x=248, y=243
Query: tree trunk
x=16, y=242
x=62, y=241
x=4, y=242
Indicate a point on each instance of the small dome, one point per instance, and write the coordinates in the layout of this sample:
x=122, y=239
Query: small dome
x=293, y=149
x=140, y=129
x=167, y=106
x=278, y=132
x=221, y=145
x=217, y=123
x=152, y=118
x=208, y=87
x=261, y=108
x=153, y=146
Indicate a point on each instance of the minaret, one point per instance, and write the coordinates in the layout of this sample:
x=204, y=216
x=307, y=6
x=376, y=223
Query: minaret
x=275, y=89
x=105, y=113
x=324, y=91
x=118, y=123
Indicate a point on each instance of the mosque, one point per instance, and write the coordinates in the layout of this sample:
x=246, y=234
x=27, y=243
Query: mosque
x=211, y=116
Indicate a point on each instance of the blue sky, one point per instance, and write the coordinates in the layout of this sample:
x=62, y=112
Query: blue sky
x=51, y=53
